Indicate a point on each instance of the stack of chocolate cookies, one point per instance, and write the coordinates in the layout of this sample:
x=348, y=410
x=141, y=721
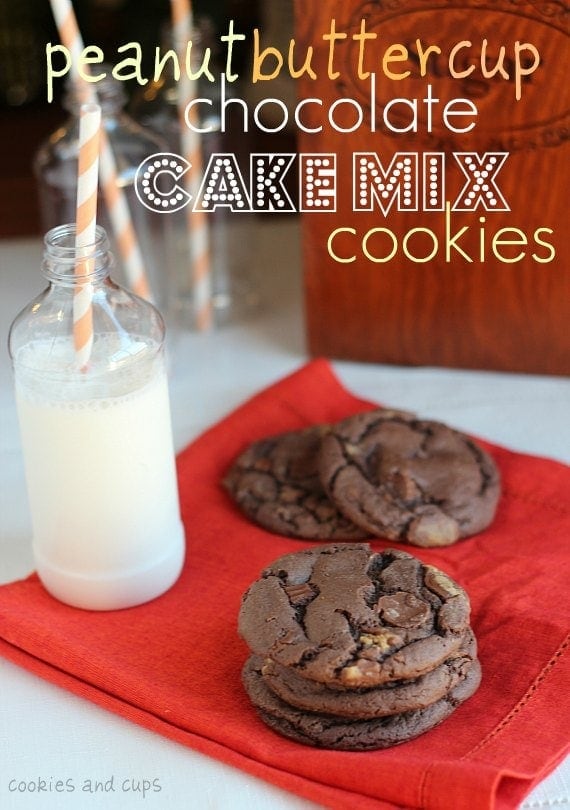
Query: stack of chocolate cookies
x=382, y=473
x=355, y=650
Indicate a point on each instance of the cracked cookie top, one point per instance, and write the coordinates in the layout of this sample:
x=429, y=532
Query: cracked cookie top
x=347, y=617
x=275, y=483
x=408, y=479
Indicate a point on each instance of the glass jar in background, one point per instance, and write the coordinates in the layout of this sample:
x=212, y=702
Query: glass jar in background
x=231, y=234
x=55, y=166
x=96, y=437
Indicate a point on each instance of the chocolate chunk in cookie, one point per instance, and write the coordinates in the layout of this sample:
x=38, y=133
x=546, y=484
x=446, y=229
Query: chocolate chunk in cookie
x=331, y=731
x=346, y=617
x=275, y=483
x=410, y=479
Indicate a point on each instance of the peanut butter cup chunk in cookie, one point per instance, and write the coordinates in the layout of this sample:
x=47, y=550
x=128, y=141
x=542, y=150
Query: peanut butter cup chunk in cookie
x=275, y=482
x=408, y=479
x=345, y=617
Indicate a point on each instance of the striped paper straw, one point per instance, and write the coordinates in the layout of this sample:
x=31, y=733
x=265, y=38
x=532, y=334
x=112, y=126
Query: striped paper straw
x=197, y=222
x=89, y=132
x=117, y=206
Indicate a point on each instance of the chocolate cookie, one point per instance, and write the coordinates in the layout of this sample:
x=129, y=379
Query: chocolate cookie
x=365, y=704
x=346, y=617
x=275, y=482
x=328, y=731
x=410, y=479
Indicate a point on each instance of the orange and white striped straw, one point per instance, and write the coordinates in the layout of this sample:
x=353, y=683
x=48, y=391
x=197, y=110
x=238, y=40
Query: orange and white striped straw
x=120, y=216
x=117, y=206
x=197, y=221
x=86, y=219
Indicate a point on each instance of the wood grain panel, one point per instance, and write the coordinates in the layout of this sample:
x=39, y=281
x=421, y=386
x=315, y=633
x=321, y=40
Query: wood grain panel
x=480, y=314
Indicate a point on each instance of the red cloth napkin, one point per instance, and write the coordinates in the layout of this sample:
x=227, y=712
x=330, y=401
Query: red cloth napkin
x=173, y=665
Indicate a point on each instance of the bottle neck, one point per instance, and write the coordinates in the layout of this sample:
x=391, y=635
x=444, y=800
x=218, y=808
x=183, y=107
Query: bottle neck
x=66, y=264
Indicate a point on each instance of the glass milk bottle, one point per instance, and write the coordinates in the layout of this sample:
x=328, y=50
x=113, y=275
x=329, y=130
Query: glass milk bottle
x=97, y=440
x=55, y=167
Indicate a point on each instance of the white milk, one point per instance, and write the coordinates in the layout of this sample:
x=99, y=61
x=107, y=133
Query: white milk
x=102, y=484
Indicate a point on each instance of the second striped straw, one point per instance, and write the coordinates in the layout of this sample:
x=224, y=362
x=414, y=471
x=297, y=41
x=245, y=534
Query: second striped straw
x=197, y=222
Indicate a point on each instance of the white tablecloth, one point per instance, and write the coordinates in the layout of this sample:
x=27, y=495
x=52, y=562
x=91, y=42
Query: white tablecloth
x=48, y=734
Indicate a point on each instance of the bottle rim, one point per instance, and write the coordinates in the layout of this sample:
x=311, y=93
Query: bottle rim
x=62, y=255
